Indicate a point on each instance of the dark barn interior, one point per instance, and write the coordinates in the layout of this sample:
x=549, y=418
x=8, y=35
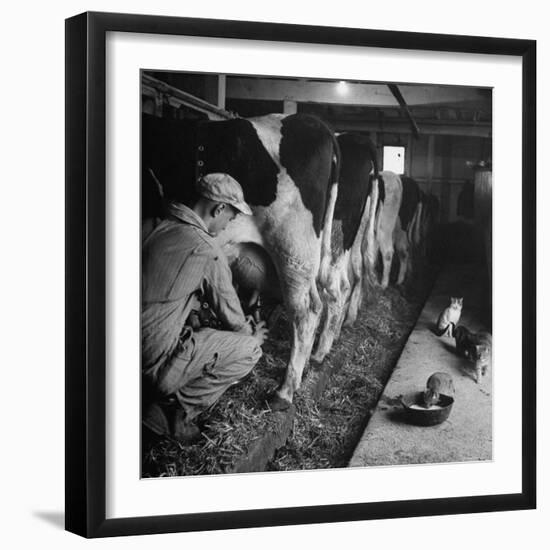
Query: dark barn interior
x=349, y=410
x=442, y=130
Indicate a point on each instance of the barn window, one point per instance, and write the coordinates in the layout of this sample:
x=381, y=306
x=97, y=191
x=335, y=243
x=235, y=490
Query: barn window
x=394, y=159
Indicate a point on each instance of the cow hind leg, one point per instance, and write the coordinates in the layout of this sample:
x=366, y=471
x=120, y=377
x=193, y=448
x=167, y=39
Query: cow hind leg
x=351, y=308
x=370, y=246
x=355, y=292
x=355, y=301
x=403, y=255
x=403, y=265
x=370, y=257
x=305, y=310
x=401, y=246
x=386, y=250
x=327, y=330
x=332, y=325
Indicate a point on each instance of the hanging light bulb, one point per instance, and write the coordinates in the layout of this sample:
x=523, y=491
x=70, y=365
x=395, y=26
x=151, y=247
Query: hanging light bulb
x=342, y=87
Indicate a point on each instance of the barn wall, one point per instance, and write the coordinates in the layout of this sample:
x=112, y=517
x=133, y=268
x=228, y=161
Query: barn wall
x=438, y=162
x=204, y=86
x=449, y=170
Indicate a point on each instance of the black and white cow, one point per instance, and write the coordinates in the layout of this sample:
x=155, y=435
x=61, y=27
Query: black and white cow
x=418, y=228
x=355, y=207
x=429, y=217
x=287, y=166
x=407, y=227
x=387, y=216
x=412, y=195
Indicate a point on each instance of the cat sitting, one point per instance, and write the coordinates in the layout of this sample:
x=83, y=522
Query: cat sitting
x=475, y=346
x=449, y=317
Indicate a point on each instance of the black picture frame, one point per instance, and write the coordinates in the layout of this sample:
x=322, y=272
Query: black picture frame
x=86, y=264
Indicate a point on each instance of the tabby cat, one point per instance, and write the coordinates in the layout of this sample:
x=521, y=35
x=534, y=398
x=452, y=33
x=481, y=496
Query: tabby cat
x=438, y=383
x=475, y=346
x=449, y=317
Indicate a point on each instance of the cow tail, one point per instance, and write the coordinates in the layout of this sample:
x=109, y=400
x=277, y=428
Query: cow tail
x=371, y=252
x=376, y=182
x=411, y=228
x=374, y=156
x=326, y=239
x=366, y=210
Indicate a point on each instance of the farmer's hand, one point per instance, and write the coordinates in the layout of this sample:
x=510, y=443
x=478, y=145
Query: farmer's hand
x=249, y=326
x=260, y=332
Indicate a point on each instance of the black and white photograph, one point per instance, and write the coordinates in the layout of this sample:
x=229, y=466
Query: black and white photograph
x=316, y=273
x=259, y=288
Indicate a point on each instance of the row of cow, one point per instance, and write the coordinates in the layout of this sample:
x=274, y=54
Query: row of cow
x=323, y=215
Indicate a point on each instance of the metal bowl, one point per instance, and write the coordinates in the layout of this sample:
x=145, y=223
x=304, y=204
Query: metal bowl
x=422, y=416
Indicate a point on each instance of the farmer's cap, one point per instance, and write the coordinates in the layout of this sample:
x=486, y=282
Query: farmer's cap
x=220, y=187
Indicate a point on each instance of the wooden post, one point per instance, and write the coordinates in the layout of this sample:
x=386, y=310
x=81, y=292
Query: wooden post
x=221, y=91
x=374, y=138
x=446, y=205
x=214, y=90
x=408, y=156
x=380, y=149
x=159, y=105
x=430, y=161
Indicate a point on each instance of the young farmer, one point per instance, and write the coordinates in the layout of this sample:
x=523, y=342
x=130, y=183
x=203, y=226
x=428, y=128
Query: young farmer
x=186, y=369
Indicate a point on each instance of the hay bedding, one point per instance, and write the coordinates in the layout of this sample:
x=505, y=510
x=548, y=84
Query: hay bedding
x=326, y=433
x=326, y=428
x=239, y=418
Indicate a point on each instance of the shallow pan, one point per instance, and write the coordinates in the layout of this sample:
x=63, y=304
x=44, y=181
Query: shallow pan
x=415, y=412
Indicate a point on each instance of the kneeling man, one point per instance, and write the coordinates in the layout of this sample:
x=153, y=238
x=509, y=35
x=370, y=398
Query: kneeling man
x=186, y=369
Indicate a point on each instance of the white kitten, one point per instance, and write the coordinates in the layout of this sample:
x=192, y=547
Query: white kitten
x=449, y=317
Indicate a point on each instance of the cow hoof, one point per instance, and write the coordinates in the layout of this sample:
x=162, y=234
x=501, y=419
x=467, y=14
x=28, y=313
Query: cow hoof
x=277, y=403
x=350, y=321
x=318, y=358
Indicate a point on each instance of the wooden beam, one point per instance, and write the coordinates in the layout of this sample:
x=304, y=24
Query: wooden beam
x=430, y=159
x=222, y=84
x=442, y=129
x=165, y=93
x=401, y=100
x=388, y=120
x=307, y=91
x=352, y=93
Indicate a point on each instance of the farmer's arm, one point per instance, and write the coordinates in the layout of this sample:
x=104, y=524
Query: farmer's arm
x=221, y=295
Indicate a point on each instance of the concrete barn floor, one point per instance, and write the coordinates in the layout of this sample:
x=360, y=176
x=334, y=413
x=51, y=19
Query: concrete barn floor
x=467, y=434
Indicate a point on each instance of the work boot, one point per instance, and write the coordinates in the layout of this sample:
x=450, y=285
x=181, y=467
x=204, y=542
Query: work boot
x=183, y=429
x=155, y=419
